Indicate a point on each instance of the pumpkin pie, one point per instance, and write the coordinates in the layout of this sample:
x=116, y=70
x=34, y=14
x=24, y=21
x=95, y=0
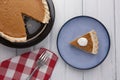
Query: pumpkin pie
x=87, y=42
x=12, y=26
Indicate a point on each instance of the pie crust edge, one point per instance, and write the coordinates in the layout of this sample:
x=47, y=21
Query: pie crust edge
x=95, y=41
x=13, y=39
x=47, y=13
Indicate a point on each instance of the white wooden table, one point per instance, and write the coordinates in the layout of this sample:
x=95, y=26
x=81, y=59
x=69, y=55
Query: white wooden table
x=108, y=12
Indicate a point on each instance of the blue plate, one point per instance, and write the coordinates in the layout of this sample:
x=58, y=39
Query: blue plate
x=74, y=28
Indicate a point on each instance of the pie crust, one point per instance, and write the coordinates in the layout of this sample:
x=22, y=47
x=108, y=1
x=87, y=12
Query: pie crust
x=95, y=41
x=47, y=13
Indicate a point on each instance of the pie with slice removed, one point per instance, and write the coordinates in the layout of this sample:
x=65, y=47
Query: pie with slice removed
x=88, y=42
x=12, y=26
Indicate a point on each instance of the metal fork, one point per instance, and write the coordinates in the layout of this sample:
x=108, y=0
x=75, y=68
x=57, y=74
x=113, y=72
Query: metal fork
x=40, y=62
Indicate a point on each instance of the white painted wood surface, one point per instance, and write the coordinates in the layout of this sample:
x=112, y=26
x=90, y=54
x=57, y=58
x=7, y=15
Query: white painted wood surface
x=108, y=12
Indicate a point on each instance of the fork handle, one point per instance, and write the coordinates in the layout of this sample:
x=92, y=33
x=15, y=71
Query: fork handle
x=29, y=77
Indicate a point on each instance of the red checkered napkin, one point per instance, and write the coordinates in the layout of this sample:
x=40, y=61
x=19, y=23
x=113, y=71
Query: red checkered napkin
x=20, y=67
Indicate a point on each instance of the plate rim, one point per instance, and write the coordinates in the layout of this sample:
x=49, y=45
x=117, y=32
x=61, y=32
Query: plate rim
x=108, y=42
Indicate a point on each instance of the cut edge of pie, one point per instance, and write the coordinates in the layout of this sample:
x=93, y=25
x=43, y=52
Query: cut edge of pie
x=92, y=42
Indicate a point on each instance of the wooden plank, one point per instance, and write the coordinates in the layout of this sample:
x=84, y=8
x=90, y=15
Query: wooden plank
x=6, y=52
x=90, y=8
x=72, y=9
x=23, y=50
x=117, y=19
x=103, y=10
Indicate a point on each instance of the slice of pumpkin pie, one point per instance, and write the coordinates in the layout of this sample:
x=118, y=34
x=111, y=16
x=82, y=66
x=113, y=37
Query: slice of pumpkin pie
x=12, y=26
x=87, y=42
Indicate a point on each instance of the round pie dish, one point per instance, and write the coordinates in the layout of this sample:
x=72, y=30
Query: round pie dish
x=36, y=31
